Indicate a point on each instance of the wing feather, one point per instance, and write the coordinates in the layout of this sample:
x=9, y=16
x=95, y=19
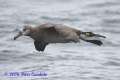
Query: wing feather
x=40, y=46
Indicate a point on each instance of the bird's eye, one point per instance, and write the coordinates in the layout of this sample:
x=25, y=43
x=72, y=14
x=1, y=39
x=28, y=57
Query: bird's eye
x=24, y=29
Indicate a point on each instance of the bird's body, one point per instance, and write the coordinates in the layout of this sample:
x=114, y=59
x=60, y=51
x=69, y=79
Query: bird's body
x=47, y=33
x=55, y=33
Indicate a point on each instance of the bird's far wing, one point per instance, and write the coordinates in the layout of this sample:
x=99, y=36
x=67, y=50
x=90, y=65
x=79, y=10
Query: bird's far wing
x=51, y=28
x=40, y=46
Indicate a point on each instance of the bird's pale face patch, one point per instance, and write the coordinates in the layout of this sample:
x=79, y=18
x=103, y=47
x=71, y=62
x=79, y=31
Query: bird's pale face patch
x=26, y=32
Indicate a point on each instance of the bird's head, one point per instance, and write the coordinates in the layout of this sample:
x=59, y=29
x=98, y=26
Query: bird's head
x=25, y=32
x=90, y=34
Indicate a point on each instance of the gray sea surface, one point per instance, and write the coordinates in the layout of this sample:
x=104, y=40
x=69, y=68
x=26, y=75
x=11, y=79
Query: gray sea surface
x=70, y=61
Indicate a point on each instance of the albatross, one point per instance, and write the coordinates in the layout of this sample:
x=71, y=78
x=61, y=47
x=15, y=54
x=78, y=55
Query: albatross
x=48, y=33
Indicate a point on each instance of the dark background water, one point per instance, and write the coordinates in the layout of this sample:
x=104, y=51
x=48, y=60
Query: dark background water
x=81, y=61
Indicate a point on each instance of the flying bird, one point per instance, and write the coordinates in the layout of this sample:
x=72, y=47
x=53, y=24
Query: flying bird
x=48, y=33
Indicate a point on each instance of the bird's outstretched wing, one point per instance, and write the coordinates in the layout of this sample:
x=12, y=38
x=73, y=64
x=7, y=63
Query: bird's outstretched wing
x=40, y=46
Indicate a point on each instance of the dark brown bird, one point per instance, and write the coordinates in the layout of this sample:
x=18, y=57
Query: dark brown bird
x=45, y=34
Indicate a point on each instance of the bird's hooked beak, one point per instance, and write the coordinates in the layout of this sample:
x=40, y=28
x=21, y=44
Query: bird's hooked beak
x=90, y=34
x=22, y=33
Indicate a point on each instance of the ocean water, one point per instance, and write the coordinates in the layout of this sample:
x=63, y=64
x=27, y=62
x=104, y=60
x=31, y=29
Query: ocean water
x=70, y=61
